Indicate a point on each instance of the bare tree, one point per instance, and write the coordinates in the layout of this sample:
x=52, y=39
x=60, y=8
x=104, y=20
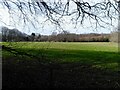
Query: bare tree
x=118, y=26
x=56, y=11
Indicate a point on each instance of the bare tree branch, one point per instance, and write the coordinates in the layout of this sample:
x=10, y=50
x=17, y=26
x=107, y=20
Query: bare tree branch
x=58, y=9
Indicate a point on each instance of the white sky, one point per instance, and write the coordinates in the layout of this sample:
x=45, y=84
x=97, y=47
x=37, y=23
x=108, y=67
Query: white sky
x=48, y=27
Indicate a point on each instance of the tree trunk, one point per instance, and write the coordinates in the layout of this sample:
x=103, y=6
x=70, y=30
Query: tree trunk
x=119, y=27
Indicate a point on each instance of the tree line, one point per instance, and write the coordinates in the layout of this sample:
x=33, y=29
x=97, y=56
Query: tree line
x=64, y=36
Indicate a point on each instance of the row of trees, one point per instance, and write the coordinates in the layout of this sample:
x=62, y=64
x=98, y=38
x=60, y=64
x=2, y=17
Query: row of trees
x=64, y=36
x=71, y=37
x=12, y=35
x=80, y=37
x=16, y=35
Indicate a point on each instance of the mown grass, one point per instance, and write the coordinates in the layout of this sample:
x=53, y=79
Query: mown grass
x=58, y=64
x=94, y=46
x=102, y=55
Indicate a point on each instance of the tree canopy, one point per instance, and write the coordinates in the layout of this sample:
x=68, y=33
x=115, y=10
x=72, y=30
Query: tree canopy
x=56, y=11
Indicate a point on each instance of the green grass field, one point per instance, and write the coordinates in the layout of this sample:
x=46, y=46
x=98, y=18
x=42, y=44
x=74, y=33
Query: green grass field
x=99, y=63
x=102, y=55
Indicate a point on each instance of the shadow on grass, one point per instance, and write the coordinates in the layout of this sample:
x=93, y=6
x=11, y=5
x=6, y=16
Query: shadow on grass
x=61, y=69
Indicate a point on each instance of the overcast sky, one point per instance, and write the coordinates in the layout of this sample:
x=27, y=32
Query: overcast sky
x=47, y=28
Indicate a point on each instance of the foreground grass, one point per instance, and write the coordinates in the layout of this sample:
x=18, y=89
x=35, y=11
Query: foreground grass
x=102, y=55
x=57, y=64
